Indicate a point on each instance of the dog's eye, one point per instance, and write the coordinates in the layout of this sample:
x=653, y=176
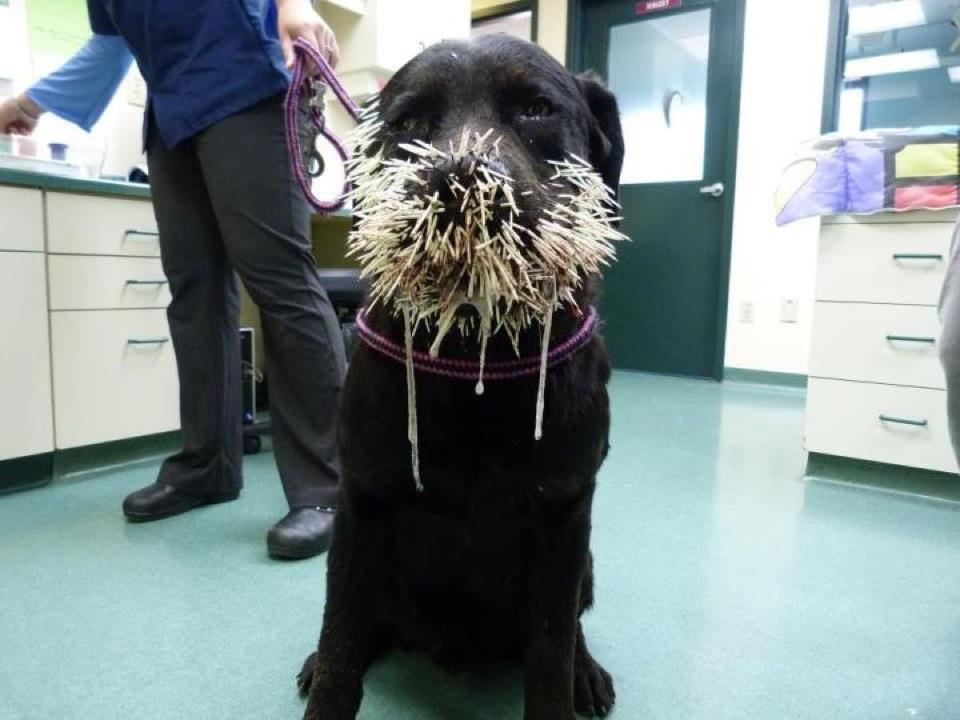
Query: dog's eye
x=536, y=109
x=408, y=124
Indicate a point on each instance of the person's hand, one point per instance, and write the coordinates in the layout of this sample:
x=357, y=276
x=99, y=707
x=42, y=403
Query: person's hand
x=297, y=19
x=19, y=115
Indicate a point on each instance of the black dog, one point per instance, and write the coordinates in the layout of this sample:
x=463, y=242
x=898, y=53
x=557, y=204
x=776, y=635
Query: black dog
x=491, y=561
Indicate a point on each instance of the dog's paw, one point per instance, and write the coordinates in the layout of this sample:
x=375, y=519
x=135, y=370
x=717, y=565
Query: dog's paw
x=593, y=693
x=305, y=676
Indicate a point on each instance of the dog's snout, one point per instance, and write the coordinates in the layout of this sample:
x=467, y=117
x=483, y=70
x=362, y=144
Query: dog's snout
x=463, y=168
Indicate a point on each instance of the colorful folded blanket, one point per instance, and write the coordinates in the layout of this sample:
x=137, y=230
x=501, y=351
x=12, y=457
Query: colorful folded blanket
x=872, y=171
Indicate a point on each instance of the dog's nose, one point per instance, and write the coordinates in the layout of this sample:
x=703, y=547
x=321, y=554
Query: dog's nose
x=449, y=173
x=467, y=165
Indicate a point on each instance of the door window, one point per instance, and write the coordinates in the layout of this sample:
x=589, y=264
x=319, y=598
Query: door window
x=658, y=70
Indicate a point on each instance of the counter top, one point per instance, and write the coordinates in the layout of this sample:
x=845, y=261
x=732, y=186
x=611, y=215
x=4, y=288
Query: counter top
x=47, y=181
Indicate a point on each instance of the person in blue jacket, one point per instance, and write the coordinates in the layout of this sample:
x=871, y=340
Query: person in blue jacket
x=226, y=204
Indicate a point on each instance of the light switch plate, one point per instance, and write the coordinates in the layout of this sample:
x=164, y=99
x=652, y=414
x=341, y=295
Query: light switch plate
x=136, y=90
x=789, y=310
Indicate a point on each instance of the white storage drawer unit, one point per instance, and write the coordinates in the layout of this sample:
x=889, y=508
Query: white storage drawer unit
x=876, y=262
x=114, y=375
x=82, y=282
x=891, y=344
x=114, y=372
x=884, y=423
x=85, y=351
x=877, y=391
x=26, y=410
x=93, y=225
x=21, y=219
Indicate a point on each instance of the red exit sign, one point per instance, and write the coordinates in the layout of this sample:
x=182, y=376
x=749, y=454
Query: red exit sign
x=649, y=6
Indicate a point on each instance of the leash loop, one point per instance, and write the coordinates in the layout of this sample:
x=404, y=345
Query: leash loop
x=309, y=80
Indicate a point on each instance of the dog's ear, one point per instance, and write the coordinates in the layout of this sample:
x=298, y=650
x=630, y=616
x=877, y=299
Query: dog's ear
x=606, y=134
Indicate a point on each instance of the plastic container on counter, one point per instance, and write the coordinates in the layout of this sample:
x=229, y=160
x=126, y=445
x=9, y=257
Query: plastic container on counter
x=79, y=158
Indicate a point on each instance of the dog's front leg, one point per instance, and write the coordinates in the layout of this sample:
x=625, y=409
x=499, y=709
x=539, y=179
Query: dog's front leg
x=559, y=561
x=350, y=639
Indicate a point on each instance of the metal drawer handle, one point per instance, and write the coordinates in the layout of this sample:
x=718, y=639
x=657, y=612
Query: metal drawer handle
x=147, y=282
x=911, y=339
x=903, y=421
x=140, y=233
x=918, y=256
x=147, y=341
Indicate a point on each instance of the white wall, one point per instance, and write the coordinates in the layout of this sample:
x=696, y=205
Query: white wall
x=782, y=98
x=785, y=48
x=119, y=129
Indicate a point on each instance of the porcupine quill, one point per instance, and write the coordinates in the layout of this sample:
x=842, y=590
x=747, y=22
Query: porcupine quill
x=425, y=266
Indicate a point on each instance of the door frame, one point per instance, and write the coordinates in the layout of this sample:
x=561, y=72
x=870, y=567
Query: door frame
x=575, y=43
x=510, y=8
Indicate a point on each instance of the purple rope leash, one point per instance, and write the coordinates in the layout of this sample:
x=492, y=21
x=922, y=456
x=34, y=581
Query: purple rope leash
x=302, y=87
x=470, y=369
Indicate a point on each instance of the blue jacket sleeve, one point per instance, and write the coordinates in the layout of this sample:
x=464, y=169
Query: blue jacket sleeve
x=82, y=88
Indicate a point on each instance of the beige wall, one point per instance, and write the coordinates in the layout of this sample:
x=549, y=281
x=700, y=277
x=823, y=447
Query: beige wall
x=551, y=23
x=487, y=5
x=552, y=27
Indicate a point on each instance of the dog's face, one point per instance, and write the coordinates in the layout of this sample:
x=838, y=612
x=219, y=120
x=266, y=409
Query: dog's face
x=488, y=146
x=539, y=110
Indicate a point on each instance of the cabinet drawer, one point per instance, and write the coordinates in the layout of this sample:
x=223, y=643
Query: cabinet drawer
x=83, y=282
x=26, y=409
x=21, y=219
x=92, y=225
x=844, y=418
x=900, y=263
x=893, y=344
x=114, y=375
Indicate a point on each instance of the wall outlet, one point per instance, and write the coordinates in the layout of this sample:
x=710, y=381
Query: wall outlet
x=789, y=310
x=136, y=90
x=747, y=314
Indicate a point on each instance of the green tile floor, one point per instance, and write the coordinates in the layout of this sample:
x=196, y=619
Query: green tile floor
x=728, y=587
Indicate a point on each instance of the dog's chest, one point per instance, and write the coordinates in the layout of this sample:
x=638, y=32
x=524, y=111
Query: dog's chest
x=470, y=543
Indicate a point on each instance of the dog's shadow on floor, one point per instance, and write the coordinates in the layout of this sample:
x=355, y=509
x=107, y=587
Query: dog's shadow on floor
x=409, y=686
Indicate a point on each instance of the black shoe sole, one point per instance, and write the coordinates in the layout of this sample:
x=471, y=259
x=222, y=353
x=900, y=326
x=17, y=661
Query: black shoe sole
x=278, y=552
x=180, y=510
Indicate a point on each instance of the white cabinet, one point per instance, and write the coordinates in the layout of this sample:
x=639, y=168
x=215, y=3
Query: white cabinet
x=114, y=375
x=96, y=364
x=26, y=410
x=897, y=262
x=114, y=370
x=890, y=344
x=94, y=225
x=877, y=391
x=883, y=423
x=87, y=282
x=21, y=219
x=388, y=33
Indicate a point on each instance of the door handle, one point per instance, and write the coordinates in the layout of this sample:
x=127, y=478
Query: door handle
x=136, y=234
x=934, y=257
x=148, y=341
x=716, y=190
x=903, y=421
x=912, y=339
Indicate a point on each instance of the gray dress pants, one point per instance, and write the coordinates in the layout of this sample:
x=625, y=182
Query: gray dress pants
x=226, y=203
x=950, y=339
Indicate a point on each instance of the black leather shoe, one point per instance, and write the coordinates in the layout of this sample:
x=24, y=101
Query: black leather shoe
x=159, y=500
x=303, y=533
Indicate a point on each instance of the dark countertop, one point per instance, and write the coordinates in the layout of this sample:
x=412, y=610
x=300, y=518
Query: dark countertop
x=47, y=181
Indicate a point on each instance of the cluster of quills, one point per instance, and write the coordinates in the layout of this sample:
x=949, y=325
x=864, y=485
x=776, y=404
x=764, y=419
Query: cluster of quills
x=428, y=252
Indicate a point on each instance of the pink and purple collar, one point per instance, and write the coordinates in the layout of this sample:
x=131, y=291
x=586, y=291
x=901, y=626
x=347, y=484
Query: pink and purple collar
x=470, y=369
